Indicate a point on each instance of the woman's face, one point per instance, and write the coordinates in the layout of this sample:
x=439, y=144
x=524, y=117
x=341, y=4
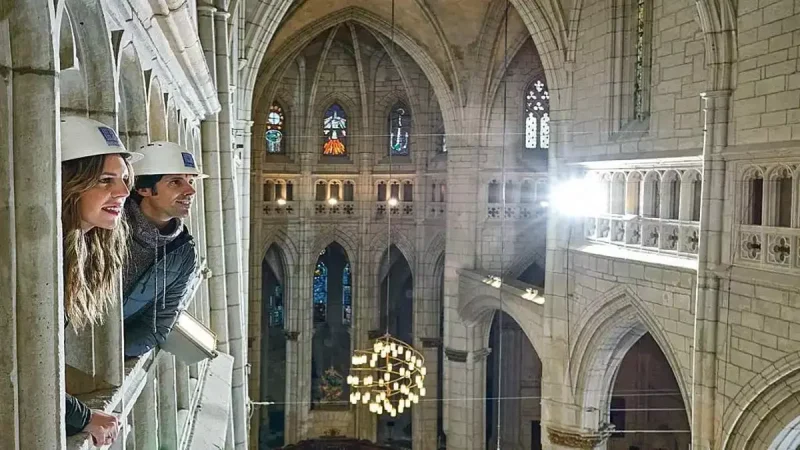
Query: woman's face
x=101, y=205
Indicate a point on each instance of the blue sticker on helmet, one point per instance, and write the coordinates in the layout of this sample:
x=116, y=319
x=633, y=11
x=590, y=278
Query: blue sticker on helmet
x=188, y=160
x=110, y=136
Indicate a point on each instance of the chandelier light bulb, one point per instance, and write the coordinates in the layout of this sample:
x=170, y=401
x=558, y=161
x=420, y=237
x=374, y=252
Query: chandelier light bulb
x=422, y=392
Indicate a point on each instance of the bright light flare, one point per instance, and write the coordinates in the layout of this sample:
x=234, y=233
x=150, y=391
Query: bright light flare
x=579, y=197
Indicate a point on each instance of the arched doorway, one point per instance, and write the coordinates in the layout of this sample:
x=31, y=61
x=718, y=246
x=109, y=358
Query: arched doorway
x=518, y=368
x=646, y=406
x=332, y=319
x=272, y=381
x=396, y=282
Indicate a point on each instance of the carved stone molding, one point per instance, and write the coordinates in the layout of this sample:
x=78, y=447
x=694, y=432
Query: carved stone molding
x=431, y=342
x=456, y=355
x=291, y=335
x=574, y=439
x=480, y=355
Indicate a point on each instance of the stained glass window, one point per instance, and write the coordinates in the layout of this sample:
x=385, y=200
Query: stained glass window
x=320, y=292
x=334, y=128
x=347, y=296
x=537, y=116
x=399, y=121
x=274, y=134
x=276, y=307
x=638, y=86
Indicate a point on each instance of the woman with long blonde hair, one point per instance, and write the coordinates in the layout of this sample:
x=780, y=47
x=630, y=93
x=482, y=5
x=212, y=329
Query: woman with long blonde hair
x=96, y=181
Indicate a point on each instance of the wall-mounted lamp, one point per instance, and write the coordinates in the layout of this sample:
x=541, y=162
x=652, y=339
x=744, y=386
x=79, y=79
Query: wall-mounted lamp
x=190, y=341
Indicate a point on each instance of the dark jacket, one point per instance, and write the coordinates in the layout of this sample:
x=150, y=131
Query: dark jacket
x=150, y=310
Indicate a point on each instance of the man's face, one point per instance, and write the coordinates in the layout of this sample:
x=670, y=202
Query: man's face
x=173, y=196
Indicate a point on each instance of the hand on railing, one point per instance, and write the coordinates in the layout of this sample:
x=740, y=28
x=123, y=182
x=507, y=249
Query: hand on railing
x=103, y=428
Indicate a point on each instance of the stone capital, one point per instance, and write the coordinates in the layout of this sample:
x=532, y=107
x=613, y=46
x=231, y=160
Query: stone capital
x=454, y=355
x=573, y=438
x=291, y=335
x=429, y=342
x=480, y=354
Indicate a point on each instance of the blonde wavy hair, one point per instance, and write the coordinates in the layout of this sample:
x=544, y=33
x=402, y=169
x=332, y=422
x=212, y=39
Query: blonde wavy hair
x=92, y=260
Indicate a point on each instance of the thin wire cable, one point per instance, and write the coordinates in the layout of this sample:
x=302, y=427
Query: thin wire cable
x=389, y=212
x=499, y=359
x=631, y=394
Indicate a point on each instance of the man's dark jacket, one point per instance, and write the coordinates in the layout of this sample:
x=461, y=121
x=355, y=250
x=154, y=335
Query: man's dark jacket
x=151, y=305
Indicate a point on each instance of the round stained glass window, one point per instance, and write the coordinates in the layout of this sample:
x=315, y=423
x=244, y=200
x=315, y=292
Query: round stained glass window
x=274, y=118
x=274, y=136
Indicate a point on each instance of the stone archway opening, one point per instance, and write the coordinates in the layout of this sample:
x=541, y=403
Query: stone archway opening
x=332, y=319
x=397, y=317
x=514, y=375
x=646, y=406
x=272, y=379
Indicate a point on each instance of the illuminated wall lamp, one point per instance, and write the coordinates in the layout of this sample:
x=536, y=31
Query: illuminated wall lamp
x=333, y=201
x=190, y=341
x=281, y=201
x=392, y=202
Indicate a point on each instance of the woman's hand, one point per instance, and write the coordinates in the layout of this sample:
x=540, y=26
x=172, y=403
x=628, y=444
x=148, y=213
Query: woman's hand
x=103, y=428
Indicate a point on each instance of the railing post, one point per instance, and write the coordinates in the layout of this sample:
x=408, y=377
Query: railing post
x=145, y=421
x=167, y=403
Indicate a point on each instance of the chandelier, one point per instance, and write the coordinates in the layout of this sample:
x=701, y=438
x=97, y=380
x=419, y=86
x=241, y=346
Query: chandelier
x=389, y=377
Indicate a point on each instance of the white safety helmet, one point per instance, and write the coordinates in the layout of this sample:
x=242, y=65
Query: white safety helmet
x=82, y=137
x=166, y=158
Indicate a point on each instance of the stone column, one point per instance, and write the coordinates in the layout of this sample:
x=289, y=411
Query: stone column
x=425, y=413
x=167, y=402
x=233, y=261
x=462, y=183
x=31, y=302
x=704, y=379
x=145, y=419
x=209, y=129
x=465, y=384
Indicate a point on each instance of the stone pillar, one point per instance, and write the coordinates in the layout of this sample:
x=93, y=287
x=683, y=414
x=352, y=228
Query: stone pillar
x=167, y=402
x=704, y=379
x=231, y=218
x=465, y=385
x=462, y=183
x=425, y=413
x=31, y=302
x=209, y=129
x=145, y=419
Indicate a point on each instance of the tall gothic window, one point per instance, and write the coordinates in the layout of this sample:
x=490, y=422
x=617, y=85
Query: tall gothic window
x=537, y=116
x=334, y=129
x=320, y=292
x=274, y=134
x=347, y=296
x=642, y=62
x=399, y=121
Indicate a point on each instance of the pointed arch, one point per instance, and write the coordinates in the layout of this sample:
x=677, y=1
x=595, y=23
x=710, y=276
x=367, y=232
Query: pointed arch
x=378, y=247
x=610, y=326
x=327, y=236
x=769, y=398
x=156, y=111
x=263, y=78
x=132, y=117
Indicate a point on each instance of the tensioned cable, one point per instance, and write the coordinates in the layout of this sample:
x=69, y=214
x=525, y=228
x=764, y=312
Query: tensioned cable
x=499, y=359
x=389, y=209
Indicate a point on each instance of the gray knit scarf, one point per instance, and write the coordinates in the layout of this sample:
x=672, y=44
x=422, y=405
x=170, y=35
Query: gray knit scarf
x=145, y=242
